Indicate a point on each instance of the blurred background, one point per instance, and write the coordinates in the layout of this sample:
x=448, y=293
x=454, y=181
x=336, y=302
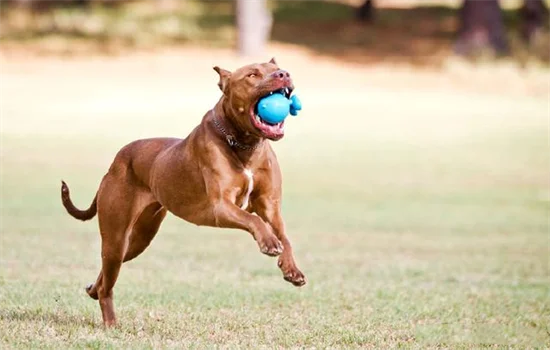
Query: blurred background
x=364, y=31
x=416, y=179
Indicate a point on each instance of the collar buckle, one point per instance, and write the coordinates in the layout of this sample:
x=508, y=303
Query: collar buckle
x=231, y=140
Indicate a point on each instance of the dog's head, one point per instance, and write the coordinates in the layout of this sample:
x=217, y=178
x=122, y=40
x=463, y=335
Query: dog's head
x=243, y=89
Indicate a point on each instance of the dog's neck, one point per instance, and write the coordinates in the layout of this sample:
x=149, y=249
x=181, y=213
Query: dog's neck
x=237, y=138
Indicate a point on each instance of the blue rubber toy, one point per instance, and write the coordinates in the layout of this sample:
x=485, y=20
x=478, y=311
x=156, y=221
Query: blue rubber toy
x=276, y=107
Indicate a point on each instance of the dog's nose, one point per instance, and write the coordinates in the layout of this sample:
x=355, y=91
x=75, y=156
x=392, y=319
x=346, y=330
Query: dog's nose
x=281, y=74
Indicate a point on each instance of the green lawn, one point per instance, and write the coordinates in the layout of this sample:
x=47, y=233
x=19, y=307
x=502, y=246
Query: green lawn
x=420, y=219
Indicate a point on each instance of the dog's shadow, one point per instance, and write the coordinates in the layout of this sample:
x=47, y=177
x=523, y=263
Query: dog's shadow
x=60, y=318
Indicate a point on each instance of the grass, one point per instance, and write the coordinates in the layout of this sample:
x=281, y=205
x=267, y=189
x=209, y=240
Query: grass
x=419, y=217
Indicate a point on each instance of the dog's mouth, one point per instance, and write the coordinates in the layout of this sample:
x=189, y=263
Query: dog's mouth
x=269, y=130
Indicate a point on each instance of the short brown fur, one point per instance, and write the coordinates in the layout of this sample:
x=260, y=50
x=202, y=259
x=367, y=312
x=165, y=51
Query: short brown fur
x=200, y=179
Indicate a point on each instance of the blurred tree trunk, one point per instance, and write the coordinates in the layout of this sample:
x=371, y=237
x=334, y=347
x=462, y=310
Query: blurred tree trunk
x=167, y=5
x=365, y=12
x=254, y=23
x=534, y=15
x=481, y=27
x=23, y=4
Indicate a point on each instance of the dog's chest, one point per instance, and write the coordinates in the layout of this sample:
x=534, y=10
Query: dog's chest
x=244, y=198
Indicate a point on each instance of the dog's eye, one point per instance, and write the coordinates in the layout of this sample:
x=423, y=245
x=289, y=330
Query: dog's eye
x=251, y=75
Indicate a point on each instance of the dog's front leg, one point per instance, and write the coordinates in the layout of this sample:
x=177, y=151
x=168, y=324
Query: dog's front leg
x=270, y=211
x=228, y=215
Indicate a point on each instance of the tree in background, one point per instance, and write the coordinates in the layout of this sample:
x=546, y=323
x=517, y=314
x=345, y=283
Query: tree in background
x=365, y=12
x=481, y=27
x=534, y=15
x=254, y=26
x=481, y=22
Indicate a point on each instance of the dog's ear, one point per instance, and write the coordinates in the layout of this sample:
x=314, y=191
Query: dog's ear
x=272, y=60
x=224, y=77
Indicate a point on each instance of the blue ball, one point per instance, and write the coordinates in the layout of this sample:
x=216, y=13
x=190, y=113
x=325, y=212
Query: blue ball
x=295, y=105
x=274, y=108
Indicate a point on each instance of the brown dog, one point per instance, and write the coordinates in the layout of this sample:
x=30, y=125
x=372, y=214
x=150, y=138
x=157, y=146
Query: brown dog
x=224, y=174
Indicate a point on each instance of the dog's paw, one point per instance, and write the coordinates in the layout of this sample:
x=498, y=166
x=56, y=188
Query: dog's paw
x=290, y=272
x=271, y=246
x=296, y=277
x=92, y=292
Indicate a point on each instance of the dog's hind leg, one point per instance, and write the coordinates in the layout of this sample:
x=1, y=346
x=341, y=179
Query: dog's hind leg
x=144, y=230
x=119, y=203
x=111, y=264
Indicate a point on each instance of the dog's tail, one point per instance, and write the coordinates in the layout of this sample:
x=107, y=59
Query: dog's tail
x=74, y=211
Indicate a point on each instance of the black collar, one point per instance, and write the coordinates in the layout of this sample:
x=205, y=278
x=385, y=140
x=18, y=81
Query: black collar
x=231, y=139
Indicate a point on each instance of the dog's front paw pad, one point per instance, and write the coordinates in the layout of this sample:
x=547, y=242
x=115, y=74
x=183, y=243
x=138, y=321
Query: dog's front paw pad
x=297, y=278
x=271, y=246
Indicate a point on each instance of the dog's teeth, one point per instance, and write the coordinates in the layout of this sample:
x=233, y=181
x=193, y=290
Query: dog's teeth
x=257, y=117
